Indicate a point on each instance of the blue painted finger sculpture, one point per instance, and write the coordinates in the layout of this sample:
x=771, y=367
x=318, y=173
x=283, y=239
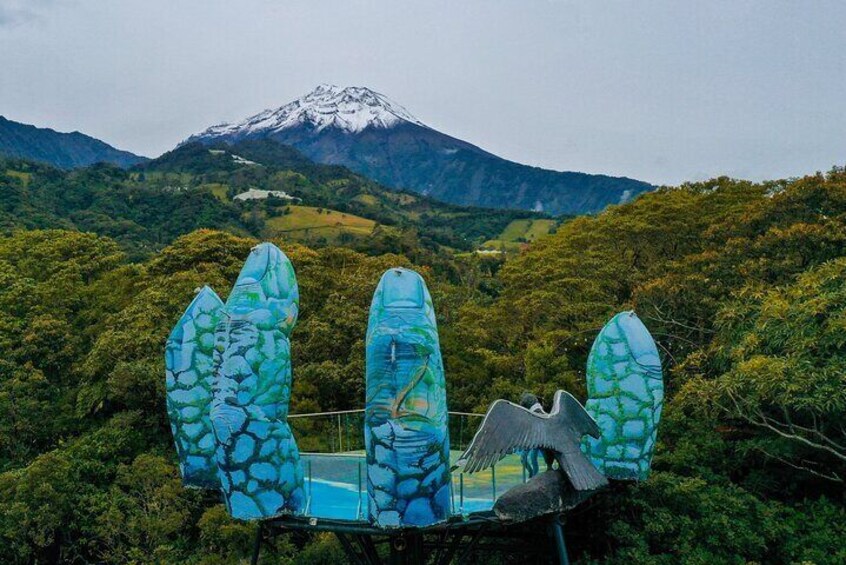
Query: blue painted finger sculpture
x=260, y=472
x=405, y=428
x=189, y=372
x=625, y=397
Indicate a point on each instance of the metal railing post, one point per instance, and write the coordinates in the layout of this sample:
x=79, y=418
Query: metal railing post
x=451, y=495
x=461, y=431
x=493, y=481
x=347, y=430
x=461, y=493
x=358, y=514
x=340, y=445
x=308, y=504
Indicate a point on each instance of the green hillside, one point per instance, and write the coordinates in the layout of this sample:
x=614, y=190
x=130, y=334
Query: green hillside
x=63, y=150
x=742, y=285
x=195, y=187
x=518, y=233
x=308, y=222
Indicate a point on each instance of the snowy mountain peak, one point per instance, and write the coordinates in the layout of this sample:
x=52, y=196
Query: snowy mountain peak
x=351, y=109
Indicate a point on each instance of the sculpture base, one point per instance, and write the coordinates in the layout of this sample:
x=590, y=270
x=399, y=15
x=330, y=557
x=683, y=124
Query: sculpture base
x=546, y=493
x=454, y=541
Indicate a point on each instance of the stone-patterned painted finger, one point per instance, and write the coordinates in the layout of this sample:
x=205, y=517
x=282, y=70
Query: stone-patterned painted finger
x=625, y=397
x=189, y=372
x=260, y=471
x=405, y=429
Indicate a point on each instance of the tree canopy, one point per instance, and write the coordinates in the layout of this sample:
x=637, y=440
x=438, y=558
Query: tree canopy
x=741, y=284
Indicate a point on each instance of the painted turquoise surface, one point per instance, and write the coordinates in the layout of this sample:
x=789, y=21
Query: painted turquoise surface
x=625, y=397
x=189, y=372
x=405, y=430
x=259, y=463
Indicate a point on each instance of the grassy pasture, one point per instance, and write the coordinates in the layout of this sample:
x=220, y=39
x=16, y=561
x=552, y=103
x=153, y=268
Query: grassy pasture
x=520, y=232
x=306, y=222
x=24, y=177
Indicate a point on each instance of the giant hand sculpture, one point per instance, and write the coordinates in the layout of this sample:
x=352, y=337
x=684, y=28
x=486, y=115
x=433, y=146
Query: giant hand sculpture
x=189, y=372
x=258, y=460
x=625, y=396
x=405, y=429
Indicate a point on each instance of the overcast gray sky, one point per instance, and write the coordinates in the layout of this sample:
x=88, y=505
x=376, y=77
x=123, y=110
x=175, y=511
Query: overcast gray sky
x=663, y=91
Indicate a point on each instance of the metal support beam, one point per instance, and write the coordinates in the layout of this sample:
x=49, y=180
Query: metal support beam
x=257, y=545
x=473, y=541
x=452, y=549
x=369, y=555
x=440, y=546
x=370, y=549
x=348, y=548
x=558, y=534
x=452, y=542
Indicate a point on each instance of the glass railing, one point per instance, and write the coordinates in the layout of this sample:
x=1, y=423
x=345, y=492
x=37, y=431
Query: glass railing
x=342, y=431
x=329, y=432
x=332, y=452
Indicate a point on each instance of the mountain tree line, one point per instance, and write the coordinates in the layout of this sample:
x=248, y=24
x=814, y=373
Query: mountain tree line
x=743, y=286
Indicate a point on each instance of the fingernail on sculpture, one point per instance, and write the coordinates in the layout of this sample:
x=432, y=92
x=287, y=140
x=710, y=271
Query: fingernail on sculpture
x=406, y=435
x=189, y=372
x=260, y=472
x=625, y=397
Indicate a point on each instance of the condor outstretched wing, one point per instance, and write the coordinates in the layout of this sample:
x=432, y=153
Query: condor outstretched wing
x=570, y=414
x=576, y=422
x=508, y=427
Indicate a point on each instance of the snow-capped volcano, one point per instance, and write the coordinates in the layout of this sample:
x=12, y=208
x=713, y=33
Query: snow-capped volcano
x=373, y=135
x=352, y=109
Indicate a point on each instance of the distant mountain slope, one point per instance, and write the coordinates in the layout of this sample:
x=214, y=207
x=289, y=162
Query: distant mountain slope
x=63, y=150
x=282, y=168
x=372, y=135
x=198, y=186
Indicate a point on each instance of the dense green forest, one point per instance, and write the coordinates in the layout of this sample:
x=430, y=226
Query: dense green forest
x=743, y=286
x=193, y=186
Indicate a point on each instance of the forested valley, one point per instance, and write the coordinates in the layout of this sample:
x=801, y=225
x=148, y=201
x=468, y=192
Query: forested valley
x=742, y=284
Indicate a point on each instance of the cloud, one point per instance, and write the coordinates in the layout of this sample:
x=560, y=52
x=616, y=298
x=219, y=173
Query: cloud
x=14, y=16
x=20, y=12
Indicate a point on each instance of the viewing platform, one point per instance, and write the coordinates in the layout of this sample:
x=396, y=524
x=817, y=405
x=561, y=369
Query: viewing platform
x=333, y=459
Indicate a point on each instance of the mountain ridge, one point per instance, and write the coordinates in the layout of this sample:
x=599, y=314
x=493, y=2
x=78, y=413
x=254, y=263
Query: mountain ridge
x=351, y=109
x=375, y=136
x=197, y=186
x=64, y=150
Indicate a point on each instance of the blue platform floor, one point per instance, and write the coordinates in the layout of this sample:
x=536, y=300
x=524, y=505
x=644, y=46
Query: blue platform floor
x=336, y=485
